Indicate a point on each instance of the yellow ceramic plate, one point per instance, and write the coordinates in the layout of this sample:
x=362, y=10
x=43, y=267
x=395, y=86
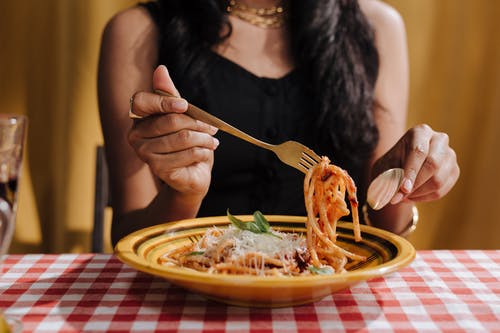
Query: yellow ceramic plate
x=386, y=253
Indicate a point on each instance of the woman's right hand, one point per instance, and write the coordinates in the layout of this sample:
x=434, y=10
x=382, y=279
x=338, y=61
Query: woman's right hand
x=177, y=148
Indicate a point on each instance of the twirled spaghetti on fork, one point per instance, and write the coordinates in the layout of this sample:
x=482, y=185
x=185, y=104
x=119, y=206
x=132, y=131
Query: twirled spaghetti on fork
x=325, y=186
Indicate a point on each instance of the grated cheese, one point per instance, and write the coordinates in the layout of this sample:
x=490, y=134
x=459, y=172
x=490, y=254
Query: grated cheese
x=279, y=245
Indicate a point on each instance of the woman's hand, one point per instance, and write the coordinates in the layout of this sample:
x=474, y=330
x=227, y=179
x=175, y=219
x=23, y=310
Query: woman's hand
x=429, y=163
x=177, y=148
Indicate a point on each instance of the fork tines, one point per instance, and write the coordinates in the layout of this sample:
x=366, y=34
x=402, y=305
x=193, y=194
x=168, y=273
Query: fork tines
x=309, y=159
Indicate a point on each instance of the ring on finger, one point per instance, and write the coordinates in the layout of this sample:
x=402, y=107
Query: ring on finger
x=131, y=114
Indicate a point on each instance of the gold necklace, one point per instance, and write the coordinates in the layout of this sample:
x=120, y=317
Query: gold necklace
x=273, y=17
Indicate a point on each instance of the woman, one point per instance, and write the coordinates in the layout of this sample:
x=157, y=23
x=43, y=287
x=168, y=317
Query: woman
x=330, y=74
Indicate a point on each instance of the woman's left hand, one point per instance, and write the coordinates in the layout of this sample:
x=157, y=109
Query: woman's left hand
x=429, y=163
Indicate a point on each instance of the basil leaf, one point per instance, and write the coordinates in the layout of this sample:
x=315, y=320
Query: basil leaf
x=325, y=270
x=195, y=253
x=250, y=226
x=261, y=222
x=259, y=225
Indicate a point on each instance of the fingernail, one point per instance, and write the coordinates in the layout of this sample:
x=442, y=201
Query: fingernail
x=397, y=198
x=216, y=142
x=213, y=129
x=180, y=104
x=407, y=185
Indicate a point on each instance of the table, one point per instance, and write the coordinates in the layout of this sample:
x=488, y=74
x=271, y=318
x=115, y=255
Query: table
x=455, y=291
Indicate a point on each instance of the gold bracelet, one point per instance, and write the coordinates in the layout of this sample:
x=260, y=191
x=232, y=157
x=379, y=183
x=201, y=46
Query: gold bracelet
x=408, y=230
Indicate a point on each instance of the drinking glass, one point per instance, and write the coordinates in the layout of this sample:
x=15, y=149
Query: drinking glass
x=12, y=137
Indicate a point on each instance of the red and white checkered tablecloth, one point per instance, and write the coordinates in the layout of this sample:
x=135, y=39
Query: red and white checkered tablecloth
x=447, y=291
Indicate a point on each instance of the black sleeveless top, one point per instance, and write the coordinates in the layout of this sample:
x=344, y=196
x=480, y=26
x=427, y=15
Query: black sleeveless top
x=246, y=178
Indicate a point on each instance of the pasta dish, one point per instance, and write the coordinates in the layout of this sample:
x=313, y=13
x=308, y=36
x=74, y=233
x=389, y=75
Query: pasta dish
x=255, y=248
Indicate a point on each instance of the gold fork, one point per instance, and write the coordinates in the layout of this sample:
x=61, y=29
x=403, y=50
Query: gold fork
x=292, y=153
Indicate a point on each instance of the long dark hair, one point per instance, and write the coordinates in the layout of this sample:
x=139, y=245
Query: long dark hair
x=332, y=45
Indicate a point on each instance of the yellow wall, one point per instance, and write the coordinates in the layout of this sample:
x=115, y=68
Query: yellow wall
x=454, y=48
x=48, y=70
x=48, y=61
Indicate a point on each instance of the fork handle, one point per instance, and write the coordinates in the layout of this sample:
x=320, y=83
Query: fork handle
x=199, y=114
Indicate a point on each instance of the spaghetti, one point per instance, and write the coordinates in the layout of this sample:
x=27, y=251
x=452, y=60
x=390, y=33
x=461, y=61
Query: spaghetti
x=325, y=186
x=254, y=248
